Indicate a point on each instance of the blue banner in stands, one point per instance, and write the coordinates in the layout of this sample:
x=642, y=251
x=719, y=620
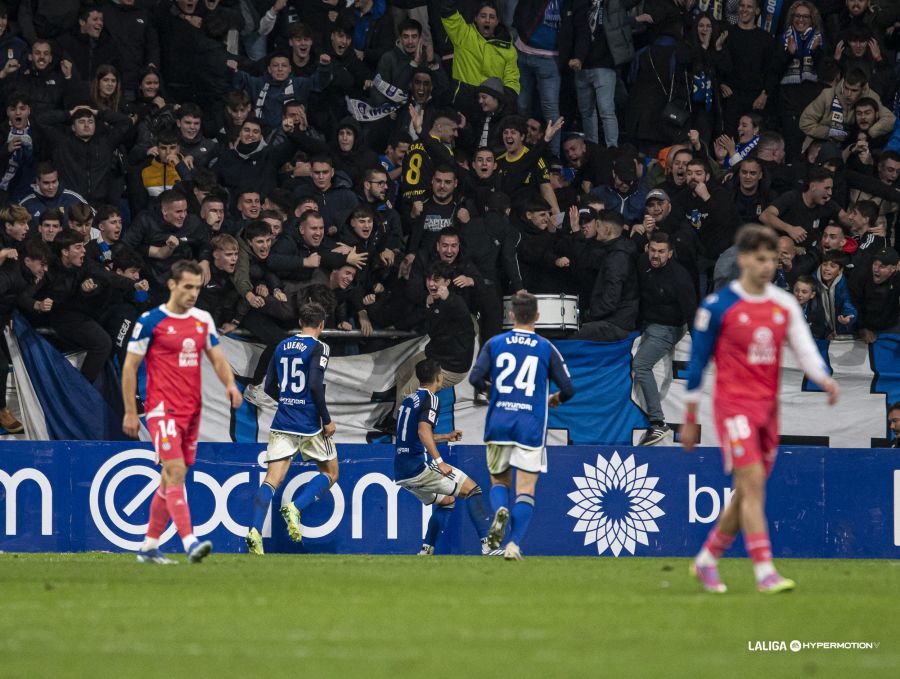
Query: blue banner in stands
x=605, y=501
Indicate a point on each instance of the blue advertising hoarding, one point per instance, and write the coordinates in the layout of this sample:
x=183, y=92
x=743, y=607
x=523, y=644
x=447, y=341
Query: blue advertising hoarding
x=595, y=500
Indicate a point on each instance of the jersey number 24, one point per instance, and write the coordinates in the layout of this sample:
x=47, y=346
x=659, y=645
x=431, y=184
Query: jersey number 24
x=525, y=377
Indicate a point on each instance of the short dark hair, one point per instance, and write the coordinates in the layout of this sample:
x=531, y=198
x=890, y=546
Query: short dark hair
x=126, y=258
x=524, y=307
x=81, y=212
x=427, y=371
x=450, y=231
x=866, y=101
x=320, y=294
x=168, y=136
x=514, y=122
x=54, y=214
x=842, y=259
x=362, y=211
x=311, y=315
x=255, y=229
x=105, y=212
x=307, y=214
x=612, y=217
x=868, y=209
x=856, y=76
x=189, y=109
x=44, y=168
x=183, y=266
x=445, y=168
x=372, y=171
x=816, y=174
x=409, y=25
x=38, y=250
x=661, y=237
x=753, y=237
x=321, y=158
x=894, y=406
x=806, y=280
x=65, y=240
x=440, y=270
x=170, y=196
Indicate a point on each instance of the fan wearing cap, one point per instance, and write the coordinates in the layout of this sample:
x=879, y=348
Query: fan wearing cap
x=877, y=296
x=830, y=115
x=582, y=248
x=492, y=106
x=659, y=216
x=627, y=193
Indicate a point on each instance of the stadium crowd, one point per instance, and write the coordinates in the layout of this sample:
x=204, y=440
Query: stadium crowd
x=393, y=159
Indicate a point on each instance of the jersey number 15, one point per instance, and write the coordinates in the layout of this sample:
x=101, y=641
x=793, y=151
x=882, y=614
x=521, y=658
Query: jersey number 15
x=292, y=368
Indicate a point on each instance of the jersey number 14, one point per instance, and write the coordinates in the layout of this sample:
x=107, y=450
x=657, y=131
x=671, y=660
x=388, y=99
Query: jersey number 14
x=525, y=377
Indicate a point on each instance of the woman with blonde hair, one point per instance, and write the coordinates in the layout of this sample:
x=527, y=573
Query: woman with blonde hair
x=798, y=59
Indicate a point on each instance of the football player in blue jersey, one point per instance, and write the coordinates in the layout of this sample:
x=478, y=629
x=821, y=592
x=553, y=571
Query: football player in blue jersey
x=418, y=465
x=519, y=365
x=296, y=377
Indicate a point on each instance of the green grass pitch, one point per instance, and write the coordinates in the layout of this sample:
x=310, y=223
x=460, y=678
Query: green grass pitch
x=103, y=615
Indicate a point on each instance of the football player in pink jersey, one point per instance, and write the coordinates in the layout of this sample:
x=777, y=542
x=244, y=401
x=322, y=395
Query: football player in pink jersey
x=170, y=339
x=744, y=327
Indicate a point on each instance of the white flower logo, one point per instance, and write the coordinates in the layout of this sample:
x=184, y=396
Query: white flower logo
x=615, y=504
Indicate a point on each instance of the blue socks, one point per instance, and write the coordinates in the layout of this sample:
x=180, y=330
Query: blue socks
x=478, y=512
x=437, y=523
x=261, y=505
x=312, y=490
x=521, y=517
x=499, y=497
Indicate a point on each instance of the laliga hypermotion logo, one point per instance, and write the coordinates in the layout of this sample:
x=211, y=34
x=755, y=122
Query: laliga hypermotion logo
x=616, y=504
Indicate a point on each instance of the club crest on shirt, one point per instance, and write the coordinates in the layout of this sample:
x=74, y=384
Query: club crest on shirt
x=188, y=357
x=762, y=348
x=778, y=316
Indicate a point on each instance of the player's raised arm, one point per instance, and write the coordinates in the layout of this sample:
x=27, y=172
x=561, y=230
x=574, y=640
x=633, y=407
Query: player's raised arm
x=804, y=347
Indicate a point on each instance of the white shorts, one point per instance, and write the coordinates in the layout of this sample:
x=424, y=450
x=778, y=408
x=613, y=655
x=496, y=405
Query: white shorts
x=283, y=445
x=502, y=456
x=431, y=486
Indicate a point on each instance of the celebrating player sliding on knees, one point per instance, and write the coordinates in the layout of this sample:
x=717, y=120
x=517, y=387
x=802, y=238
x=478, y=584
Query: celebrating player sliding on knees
x=418, y=465
x=170, y=337
x=744, y=327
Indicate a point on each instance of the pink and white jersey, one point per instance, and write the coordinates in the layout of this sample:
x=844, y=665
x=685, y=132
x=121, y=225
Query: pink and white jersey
x=171, y=344
x=745, y=334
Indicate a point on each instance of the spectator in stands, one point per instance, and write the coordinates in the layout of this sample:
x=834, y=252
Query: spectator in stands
x=49, y=194
x=803, y=214
x=165, y=234
x=627, y=193
x=21, y=151
x=834, y=294
x=877, y=297
x=133, y=32
x=745, y=87
x=613, y=310
x=806, y=293
x=481, y=50
x=331, y=189
x=667, y=307
x=85, y=154
x=15, y=220
x=49, y=225
x=219, y=296
x=894, y=423
x=264, y=309
x=90, y=46
x=451, y=334
x=707, y=206
x=749, y=195
x=66, y=300
x=831, y=115
x=167, y=168
x=40, y=82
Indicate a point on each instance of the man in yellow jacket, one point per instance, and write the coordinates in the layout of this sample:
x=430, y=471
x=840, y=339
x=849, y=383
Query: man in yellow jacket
x=830, y=116
x=481, y=50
